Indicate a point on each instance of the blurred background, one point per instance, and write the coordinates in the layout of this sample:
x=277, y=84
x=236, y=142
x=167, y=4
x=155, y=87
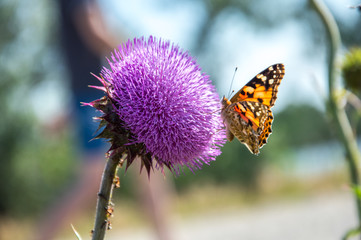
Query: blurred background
x=297, y=188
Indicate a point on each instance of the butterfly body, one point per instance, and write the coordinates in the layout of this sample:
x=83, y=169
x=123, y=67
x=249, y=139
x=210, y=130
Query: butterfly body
x=248, y=116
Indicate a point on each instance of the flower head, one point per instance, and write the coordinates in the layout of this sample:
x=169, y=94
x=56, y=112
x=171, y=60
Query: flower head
x=351, y=70
x=160, y=106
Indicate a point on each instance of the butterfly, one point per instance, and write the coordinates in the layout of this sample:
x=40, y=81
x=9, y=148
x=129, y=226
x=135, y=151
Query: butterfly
x=248, y=116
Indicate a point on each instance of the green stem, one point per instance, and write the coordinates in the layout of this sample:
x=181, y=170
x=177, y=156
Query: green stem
x=104, y=198
x=338, y=112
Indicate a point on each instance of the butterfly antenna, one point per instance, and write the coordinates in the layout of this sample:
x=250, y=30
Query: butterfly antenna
x=230, y=88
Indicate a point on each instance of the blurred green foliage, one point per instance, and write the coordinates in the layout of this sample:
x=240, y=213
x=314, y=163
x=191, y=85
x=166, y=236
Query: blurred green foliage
x=301, y=125
x=35, y=167
x=351, y=70
x=293, y=128
x=41, y=168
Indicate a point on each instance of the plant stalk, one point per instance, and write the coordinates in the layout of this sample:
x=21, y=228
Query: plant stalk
x=338, y=112
x=104, y=204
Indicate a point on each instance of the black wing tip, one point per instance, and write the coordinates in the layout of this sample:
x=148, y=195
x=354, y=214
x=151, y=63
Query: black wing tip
x=280, y=66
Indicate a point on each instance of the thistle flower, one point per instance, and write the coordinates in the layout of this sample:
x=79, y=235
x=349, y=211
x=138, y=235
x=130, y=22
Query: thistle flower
x=159, y=106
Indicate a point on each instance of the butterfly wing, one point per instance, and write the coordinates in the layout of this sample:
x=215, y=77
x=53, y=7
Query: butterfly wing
x=248, y=114
x=245, y=121
x=263, y=87
x=267, y=130
x=253, y=113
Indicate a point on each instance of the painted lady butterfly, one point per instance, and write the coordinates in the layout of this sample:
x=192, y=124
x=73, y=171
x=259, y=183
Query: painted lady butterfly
x=248, y=114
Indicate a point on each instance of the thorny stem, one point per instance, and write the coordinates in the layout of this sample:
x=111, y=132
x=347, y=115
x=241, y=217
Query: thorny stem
x=338, y=112
x=105, y=196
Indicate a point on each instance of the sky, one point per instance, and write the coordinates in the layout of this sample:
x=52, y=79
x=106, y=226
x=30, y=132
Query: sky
x=234, y=43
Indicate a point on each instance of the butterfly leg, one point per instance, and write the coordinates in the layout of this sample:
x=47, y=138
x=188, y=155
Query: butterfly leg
x=230, y=135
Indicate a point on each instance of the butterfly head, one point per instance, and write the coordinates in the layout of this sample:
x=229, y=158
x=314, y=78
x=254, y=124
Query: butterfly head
x=225, y=101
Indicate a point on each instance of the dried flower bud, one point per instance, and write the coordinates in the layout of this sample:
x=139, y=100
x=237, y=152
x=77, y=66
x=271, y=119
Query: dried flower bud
x=351, y=70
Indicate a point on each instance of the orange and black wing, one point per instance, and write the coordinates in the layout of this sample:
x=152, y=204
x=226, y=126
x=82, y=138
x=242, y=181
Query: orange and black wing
x=252, y=113
x=263, y=87
x=267, y=130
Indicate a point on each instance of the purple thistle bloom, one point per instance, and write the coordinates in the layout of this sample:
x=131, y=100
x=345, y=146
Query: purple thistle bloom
x=169, y=108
